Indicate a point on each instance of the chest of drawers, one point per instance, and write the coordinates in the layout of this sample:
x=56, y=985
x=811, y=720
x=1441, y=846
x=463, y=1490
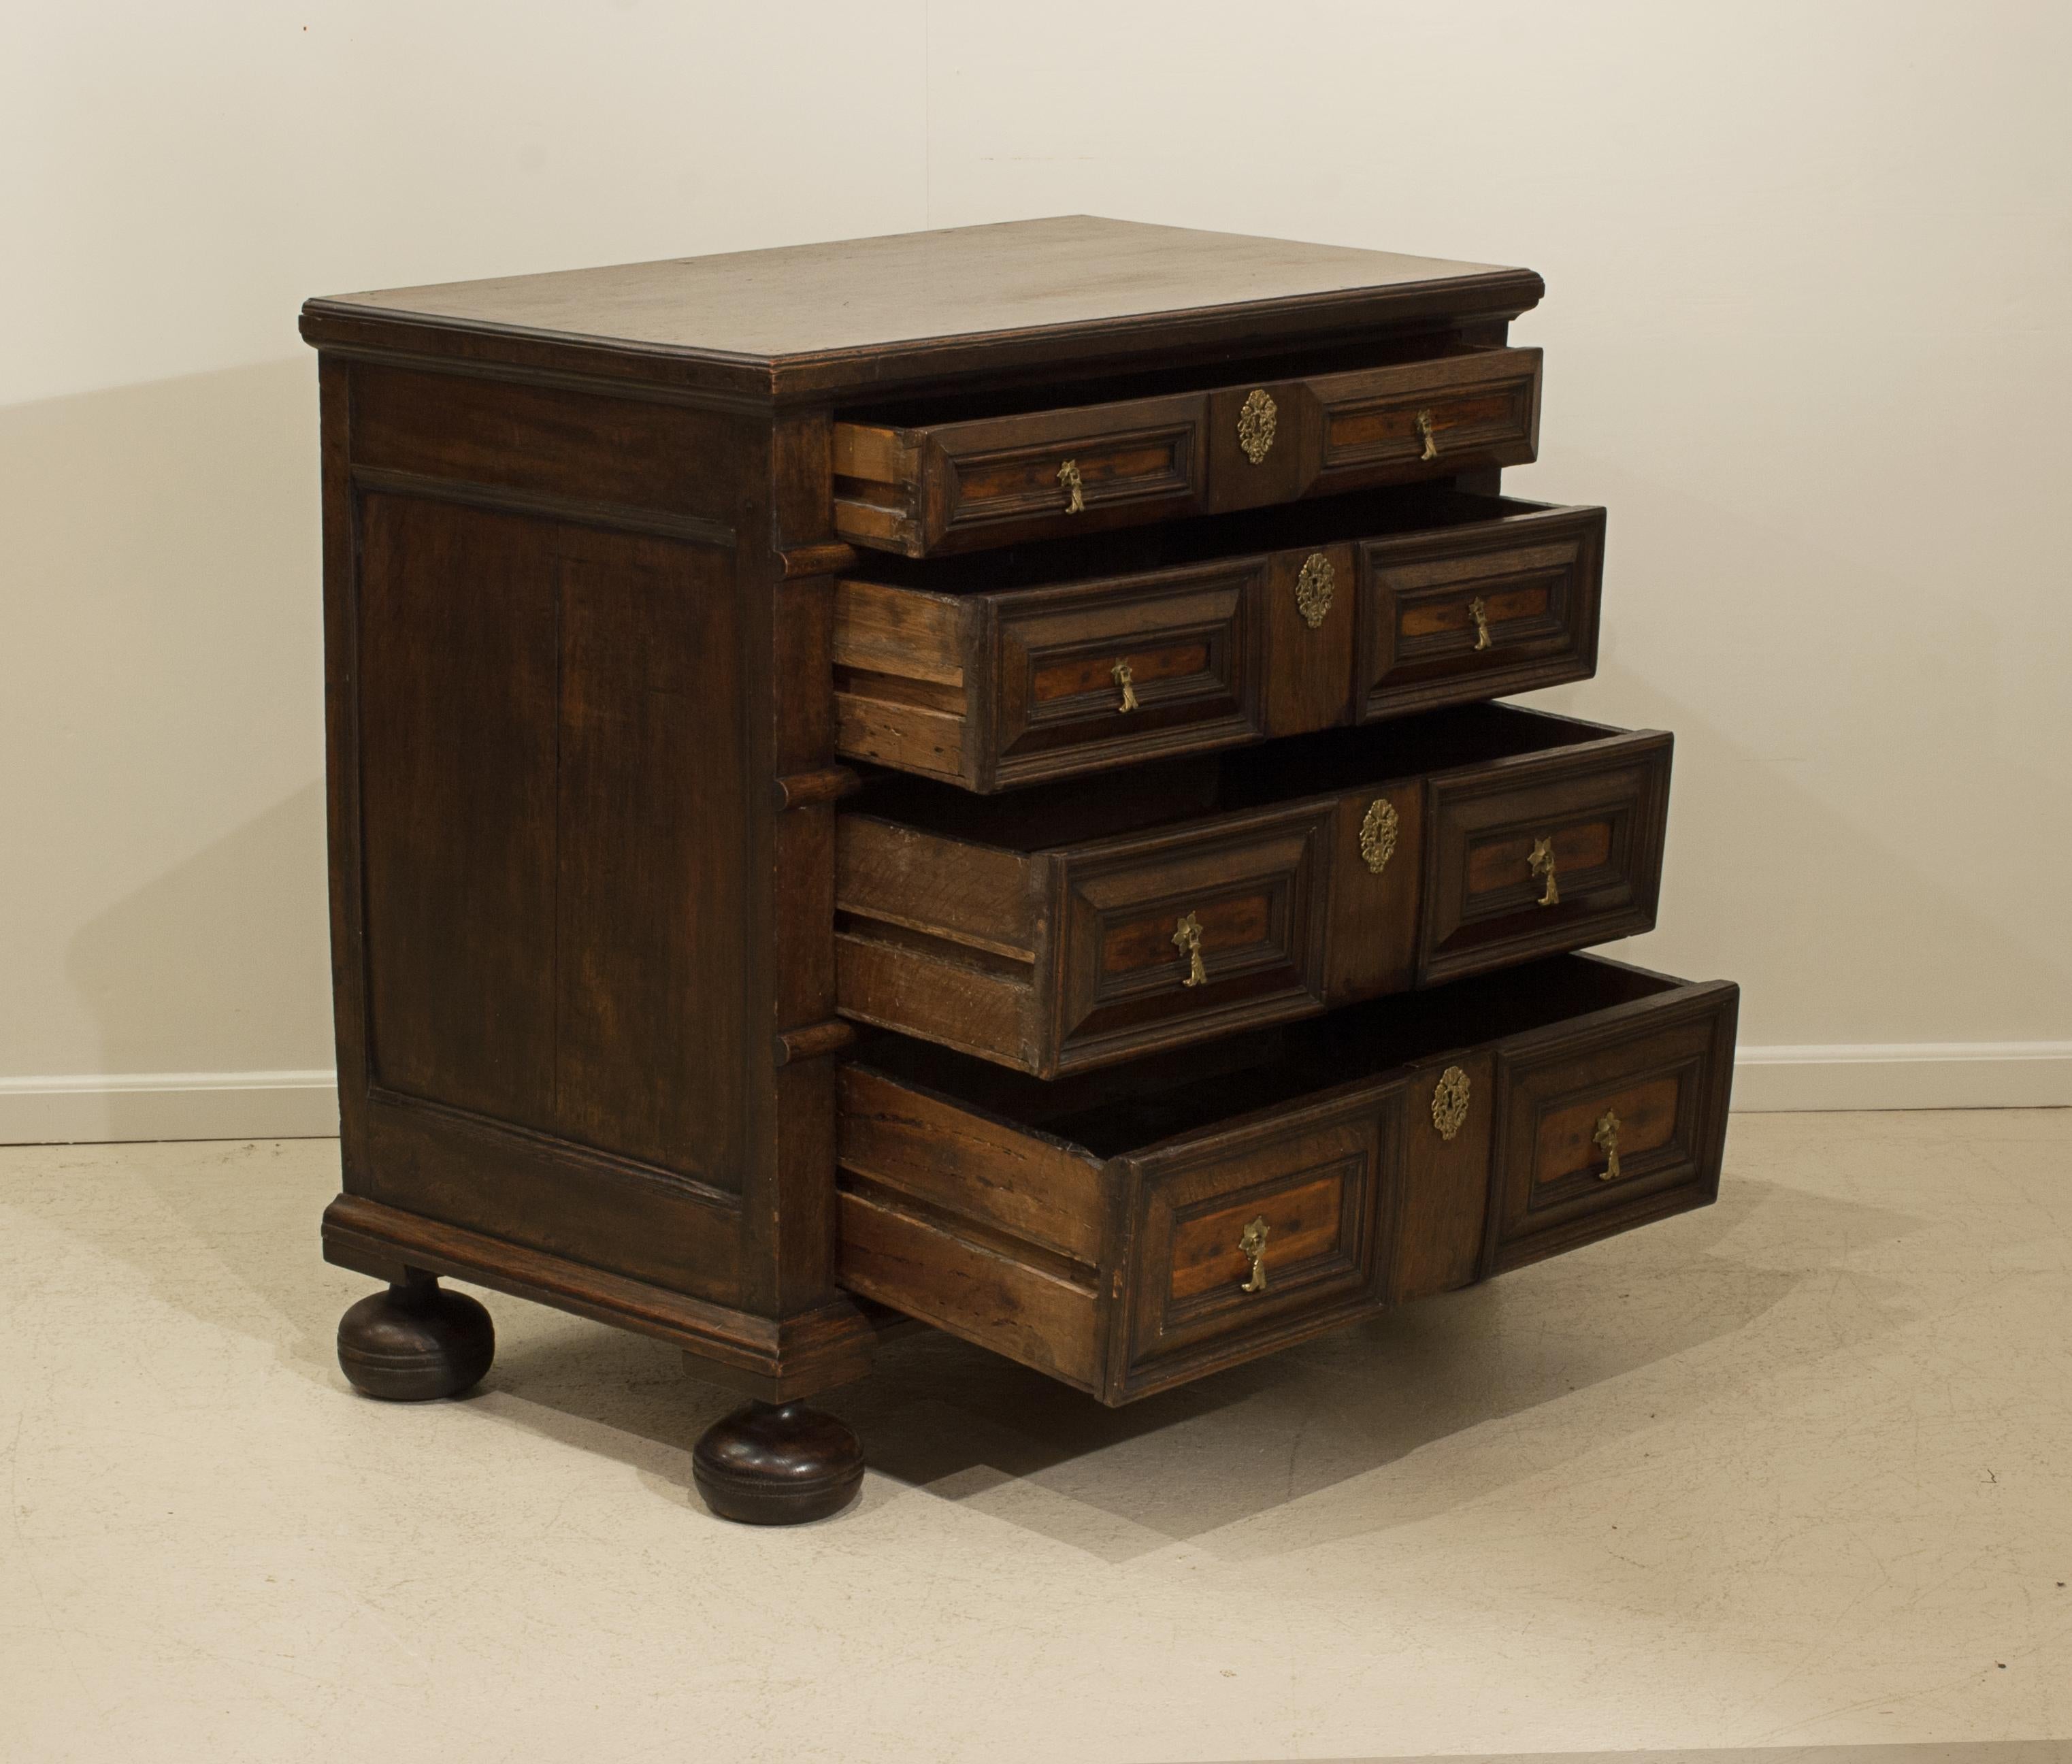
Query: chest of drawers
x=950, y=778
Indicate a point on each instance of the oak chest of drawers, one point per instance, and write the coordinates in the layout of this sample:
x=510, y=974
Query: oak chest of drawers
x=951, y=778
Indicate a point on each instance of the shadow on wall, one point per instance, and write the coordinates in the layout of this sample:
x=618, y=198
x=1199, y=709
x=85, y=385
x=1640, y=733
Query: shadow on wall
x=228, y=952
x=161, y=703
x=1838, y=842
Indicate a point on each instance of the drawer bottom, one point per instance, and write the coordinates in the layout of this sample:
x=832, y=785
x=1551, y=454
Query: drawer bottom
x=1131, y=1228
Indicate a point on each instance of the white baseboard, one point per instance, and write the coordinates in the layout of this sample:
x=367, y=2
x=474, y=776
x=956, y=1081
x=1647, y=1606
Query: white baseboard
x=1905, y=1074
x=102, y=1106
x=304, y=1105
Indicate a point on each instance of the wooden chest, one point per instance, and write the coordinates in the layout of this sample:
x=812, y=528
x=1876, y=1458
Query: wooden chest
x=951, y=777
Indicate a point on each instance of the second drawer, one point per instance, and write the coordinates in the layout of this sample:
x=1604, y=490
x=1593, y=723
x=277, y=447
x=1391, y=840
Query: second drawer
x=1081, y=923
x=1016, y=667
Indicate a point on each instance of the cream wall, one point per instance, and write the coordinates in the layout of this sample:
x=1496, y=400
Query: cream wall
x=1807, y=271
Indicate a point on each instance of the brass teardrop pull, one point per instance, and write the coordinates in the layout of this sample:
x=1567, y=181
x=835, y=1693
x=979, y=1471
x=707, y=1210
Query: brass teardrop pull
x=1541, y=863
x=1431, y=440
x=1189, y=939
x=1068, y=475
x=1120, y=674
x=1606, y=1139
x=1479, y=610
x=1253, y=1244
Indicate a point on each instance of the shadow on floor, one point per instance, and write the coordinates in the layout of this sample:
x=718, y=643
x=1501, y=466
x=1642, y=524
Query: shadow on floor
x=1644, y=1321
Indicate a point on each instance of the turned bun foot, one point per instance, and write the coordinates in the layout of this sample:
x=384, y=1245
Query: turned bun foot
x=777, y=1464
x=415, y=1342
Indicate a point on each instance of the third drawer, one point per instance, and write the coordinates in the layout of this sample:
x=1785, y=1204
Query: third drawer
x=1044, y=662
x=1089, y=921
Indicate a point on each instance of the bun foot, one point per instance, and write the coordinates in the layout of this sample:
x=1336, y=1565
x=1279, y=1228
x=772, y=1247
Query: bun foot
x=777, y=1464
x=415, y=1342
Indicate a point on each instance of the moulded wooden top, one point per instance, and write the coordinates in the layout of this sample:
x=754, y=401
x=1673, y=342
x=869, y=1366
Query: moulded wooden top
x=907, y=309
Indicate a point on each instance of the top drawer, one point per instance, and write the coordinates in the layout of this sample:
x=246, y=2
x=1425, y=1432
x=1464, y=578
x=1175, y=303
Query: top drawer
x=947, y=487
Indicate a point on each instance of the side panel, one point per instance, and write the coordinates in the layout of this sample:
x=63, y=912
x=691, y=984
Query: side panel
x=553, y=824
x=543, y=799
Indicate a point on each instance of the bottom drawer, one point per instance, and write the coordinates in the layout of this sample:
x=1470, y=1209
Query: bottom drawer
x=1131, y=1228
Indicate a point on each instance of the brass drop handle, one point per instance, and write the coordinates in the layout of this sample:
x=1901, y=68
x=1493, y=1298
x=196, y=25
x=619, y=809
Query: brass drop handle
x=1189, y=938
x=1541, y=863
x=1253, y=1244
x=1124, y=678
x=1431, y=440
x=1068, y=475
x=1606, y=1139
x=1479, y=610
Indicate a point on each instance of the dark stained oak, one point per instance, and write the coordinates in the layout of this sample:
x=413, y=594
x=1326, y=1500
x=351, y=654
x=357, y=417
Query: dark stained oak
x=1000, y=669
x=1324, y=1138
x=777, y=1464
x=911, y=308
x=779, y=703
x=1045, y=929
x=416, y=1342
x=926, y=488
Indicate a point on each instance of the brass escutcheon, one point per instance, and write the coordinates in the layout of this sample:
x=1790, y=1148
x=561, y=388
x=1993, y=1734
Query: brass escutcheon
x=1068, y=475
x=1377, y=834
x=1541, y=863
x=1431, y=440
x=1123, y=677
x=1606, y=1137
x=1449, y=1101
x=1189, y=938
x=1253, y=1244
x=1312, y=589
x=1255, y=422
x=1479, y=610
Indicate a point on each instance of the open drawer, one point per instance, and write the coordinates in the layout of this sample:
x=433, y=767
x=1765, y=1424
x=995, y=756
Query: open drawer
x=1011, y=667
x=921, y=486
x=1126, y=1230
x=1082, y=922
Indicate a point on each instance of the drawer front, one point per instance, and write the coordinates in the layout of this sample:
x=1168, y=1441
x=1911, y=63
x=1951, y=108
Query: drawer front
x=1107, y=673
x=1610, y=1122
x=1244, y=1241
x=1501, y=606
x=953, y=486
x=1428, y=419
x=1187, y=935
x=941, y=487
x=1550, y=851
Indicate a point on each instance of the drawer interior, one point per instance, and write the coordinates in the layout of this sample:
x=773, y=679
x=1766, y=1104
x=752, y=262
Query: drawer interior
x=1125, y=1109
x=1073, y=811
x=1328, y=520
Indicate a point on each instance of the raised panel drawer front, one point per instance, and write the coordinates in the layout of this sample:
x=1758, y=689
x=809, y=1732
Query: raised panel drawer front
x=1007, y=669
x=1494, y=606
x=921, y=488
x=1543, y=851
x=1082, y=922
x=1128, y=1230
x=1610, y=1123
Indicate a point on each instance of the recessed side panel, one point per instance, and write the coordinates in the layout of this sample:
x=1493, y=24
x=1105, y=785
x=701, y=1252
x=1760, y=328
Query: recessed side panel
x=553, y=829
x=650, y=852
x=459, y=654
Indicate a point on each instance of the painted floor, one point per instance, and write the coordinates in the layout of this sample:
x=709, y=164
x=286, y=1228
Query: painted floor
x=1791, y=1473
